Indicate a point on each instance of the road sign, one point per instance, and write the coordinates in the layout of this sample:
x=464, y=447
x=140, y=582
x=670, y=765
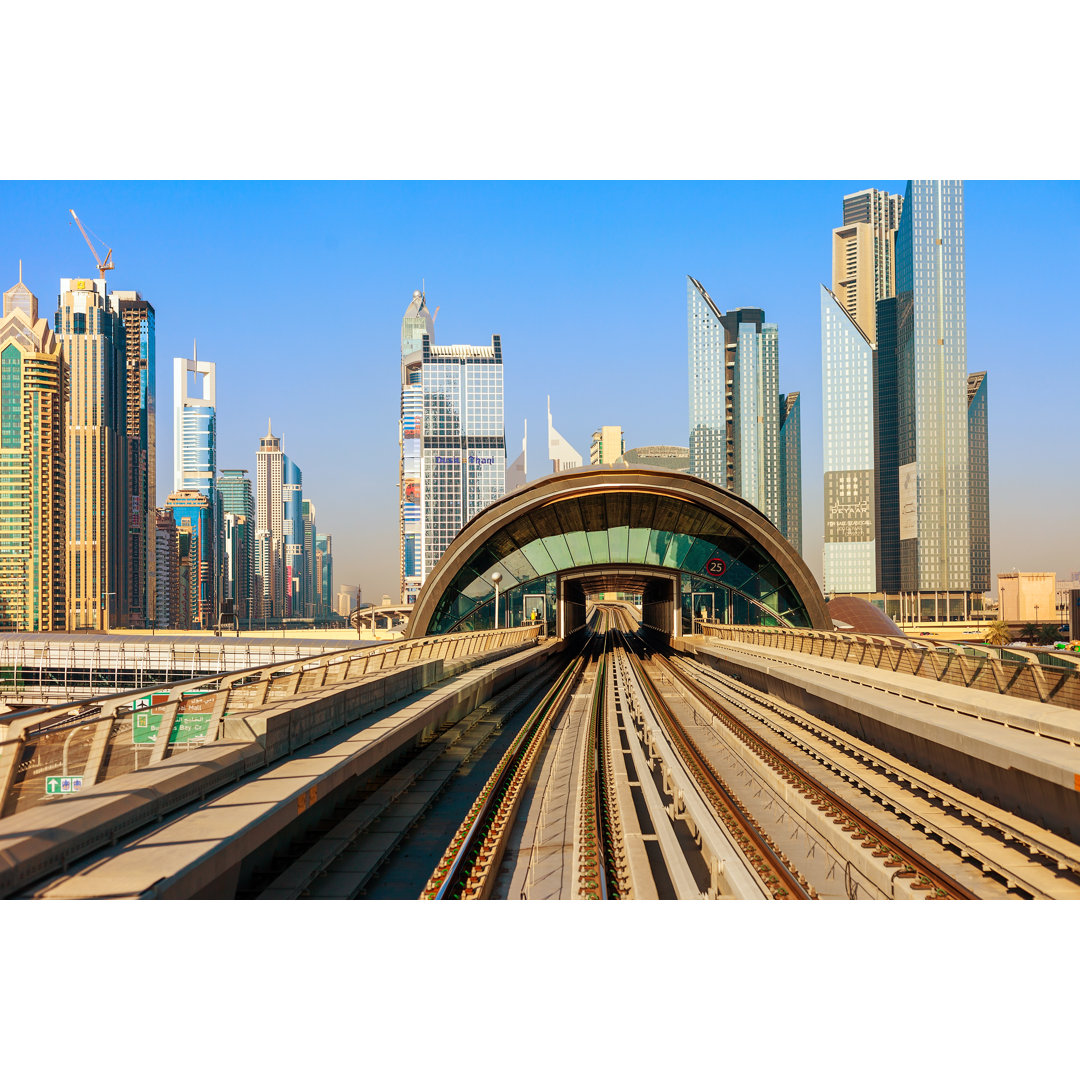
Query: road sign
x=63, y=785
x=715, y=566
x=189, y=727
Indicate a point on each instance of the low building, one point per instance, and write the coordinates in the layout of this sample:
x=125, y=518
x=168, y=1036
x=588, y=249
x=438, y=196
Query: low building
x=1026, y=596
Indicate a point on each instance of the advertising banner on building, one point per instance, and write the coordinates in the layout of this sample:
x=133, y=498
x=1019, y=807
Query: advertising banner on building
x=909, y=503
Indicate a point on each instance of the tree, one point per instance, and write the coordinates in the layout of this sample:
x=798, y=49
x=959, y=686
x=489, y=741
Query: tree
x=1029, y=632
x=1047, y=634
x=998, y=633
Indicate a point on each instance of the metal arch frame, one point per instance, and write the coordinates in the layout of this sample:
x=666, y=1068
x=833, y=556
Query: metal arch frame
x=641, y=479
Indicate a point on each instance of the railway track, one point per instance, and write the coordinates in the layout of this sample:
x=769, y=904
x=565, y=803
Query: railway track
x=1028, y=860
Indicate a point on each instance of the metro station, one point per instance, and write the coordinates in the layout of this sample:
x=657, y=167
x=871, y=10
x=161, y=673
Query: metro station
x=690, y=550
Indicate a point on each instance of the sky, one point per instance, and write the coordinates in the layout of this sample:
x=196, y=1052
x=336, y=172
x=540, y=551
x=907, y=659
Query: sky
x=296, y=292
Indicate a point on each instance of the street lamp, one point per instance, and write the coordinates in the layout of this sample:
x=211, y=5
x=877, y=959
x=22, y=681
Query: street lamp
x=496, y=577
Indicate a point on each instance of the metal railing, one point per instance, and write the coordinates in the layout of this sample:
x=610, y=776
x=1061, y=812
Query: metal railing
x=63, y=750
x=958, y=665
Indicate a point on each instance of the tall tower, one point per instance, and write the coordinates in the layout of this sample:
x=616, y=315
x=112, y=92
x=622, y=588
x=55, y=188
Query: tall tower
x=791, y=469
x=32, y=557
x=194, y=426
x=307, y=514
x=735, y=406
x=238, y=569
x=137, y=319
x=96, y=458
x=979, y=481
x=847, y=377
x=935, y=521
x=417, y=325
x=563, y=455
x=293, y=538
x=464, y=442
x=269, y=527
x=864, y=255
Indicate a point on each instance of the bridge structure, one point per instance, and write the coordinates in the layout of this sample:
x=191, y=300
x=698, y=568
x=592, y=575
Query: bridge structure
x=673, y=747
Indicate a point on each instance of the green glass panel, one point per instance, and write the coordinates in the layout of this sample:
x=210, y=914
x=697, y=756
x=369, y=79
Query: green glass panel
x=699, y=554
x=559, y=551
x=598, y=546
x=538, y=557
x=658, y=542
x=638, y=546
x=619, y=542
x=578, y=543
x=677, y=550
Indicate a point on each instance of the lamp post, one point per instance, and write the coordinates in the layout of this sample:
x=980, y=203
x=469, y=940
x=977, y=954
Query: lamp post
x=496, y=578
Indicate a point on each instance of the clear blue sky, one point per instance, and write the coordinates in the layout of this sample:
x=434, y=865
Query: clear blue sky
x=296, y=292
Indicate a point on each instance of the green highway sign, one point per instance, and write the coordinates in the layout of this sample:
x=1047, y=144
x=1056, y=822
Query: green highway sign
x=62, y=785
x=189, y=727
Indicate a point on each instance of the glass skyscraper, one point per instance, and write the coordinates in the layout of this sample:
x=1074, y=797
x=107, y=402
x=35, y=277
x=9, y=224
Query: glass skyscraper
x=238, y=563
x=791, y=469
x=979, y=481
x=293, y=537
x=847, y=377
x=416, y=324
x=935, y=511
x=194, y=426
x=735, y=409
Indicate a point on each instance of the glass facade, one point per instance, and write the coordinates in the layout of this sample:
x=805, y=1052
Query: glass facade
x=847, y=378
x=709, y=554
x=194, y=518
x=293, y=534
x=463, y=456
x=791, y=470
x=234, y=492
x=979, y=481
x=736, y=406
x=417, y=325
x=935, y=526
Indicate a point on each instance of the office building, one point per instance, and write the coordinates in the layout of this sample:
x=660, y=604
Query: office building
x=863, y=256
x=307, y=515
x=847, y=385
x=269, y=527
x=606, y=446
x=166, y=571
x=235, y=562
x=735, y=407
x=194, y=425
x=96, y=455
x=563, y=455
x=979, y=481
x=348, y=596
x=417, y=326
x=138, y=322
x=32, y=486
x=324, y=575
x=293, y=536
x=935, y=508
x=907, y=515
x=791, y=470
x=238, y=571
x=195, y=526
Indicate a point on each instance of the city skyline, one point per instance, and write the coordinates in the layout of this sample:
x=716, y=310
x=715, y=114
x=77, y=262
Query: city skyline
x=552, y=253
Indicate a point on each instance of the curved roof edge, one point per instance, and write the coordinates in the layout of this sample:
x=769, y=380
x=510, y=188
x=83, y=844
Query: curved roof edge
x=556, y=486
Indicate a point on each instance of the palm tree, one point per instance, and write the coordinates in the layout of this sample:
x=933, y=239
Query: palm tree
x=1029, y=632
x=998, y=633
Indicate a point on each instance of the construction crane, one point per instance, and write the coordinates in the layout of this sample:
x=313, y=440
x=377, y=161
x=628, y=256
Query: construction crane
x=102, y=266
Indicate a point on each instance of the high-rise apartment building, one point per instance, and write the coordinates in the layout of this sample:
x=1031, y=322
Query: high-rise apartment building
x=606, y=446
x=138, y=323
x=324, y=574
x=269, y=527
x=735, y=408
x=98, y=503
x=864, y=255
x=32, y=490
x=238, y=564
x=907, y=485
x=194, y=515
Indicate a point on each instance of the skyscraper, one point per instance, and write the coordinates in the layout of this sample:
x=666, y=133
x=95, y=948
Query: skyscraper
x=166, y=571
x=269, y=527
x=906, y=476
x=194, y=426
x=238, y=564
x=324, y=574
x=735, y=408
x=791, y=470
x=32, y=556
x=416, y=325
x=292, y=524
x=464, y=443
x=863, y=258
x=563, y=455
x=307, y=514
x=935, y=518
x=96, y=455
x=847, y=376
x=137, y=318
x=194, y=516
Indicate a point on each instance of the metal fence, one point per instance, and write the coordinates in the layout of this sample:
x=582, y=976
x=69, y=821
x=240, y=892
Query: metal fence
x=1024, y=677
x=53, y=751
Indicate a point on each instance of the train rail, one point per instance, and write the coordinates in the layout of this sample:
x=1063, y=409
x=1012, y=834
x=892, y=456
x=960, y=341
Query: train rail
x=975, y=830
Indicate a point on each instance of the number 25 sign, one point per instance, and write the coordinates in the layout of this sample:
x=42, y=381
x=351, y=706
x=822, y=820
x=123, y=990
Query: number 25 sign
x=715, y=566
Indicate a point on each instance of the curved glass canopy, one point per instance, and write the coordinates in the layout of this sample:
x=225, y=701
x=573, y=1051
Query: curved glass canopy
x=620, y=528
